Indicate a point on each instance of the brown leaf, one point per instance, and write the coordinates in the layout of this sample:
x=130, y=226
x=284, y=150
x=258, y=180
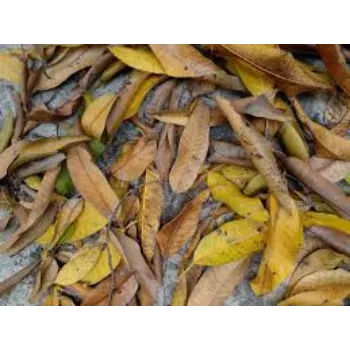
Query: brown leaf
x=260, y=152
x=9, y=155
x=144, y=274
x=17, y=277
x=184, y=61
x=160, y=96
x=90, y=181
x=338, y=240
x=227, y=149
x=131, y=165
x=174, y=234
x=40, y=166
x=335, y=62
x=75, y=60
x=193, y=148
x=41, y=203
x=218, y=283
x=336, y=171
x=125, y=293
x=330, y=192
x=166, y=151
x=44, y=279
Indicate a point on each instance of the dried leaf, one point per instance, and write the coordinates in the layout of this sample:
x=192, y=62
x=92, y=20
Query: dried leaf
x=225, y=191
x=6, y=130
x=232, y=241
x=193, y=148
x=228, y=149
x=44, y=148
x=336, y=171
x=85, y=175
x=284, y=240
x=218, y=283
x=180, y=292
x=294, y=142
x=95, y=116
x=335, y=63
x=260, y=153
x=174, y=234
x=65, y=301
x=82, y=262
x=44, y=279
x=238, y=175
x=149, y=216
x=11, y=69
x=75, y=60
x=17, y=277
x=103, y=266
x=255, y=185
x=184, y=61
x=132, y=164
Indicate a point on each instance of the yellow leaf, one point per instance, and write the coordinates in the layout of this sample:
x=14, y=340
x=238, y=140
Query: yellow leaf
x=256, y=184
x=95, y=116
x=33, y=181
x=6, y=131
x=81, y=263
x=141, y=94
x=238, y=175
x=88, y=222
x=102, y=267
x=11, y=69
x=45, y=147
x=48, y=236
x=225, y=191
x=312, y=218
x=140, y=57
x=232, y=241
x=284, y=239
x=180, y=292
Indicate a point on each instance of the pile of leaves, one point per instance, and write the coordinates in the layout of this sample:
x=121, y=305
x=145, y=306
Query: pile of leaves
x=109, y=210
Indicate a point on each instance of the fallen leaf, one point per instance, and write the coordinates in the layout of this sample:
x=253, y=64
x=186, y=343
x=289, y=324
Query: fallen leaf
x=225, y=191
x=125, y=293
x=174, y=234
x=11, y=69
x=17, y=277
x=294, y=142
x=82, y=262
x=184, y=61
x=95, y=116
x=336, y=239
x=113, y=69
x=289, y=74
x=180, y=292
x=255, y=185
x=336, y=171
x=335, y=63
x=45, y=147
x=144, y=274
x=75, y=60
x=232, y=241
x=103, y=265
x=6, y=130
x=192, y=150
x=149, y=216
x=260, y=152
x=283, y=243
x=218, y=283
x=322, y=259
x=228, y=149
x=65, y=301
x=44, y=278
x=238, y=175
x=85, y=175
x=133, y=163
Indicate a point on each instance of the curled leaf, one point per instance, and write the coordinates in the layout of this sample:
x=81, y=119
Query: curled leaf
x=6, y=131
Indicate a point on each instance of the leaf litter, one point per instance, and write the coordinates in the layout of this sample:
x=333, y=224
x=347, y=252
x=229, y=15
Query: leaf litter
x=136, y=180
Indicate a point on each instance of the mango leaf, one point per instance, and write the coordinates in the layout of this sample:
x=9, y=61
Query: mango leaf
x=218, y=283
x=335, y=62
x=85, y=175
x=284, y=240
x=12, y=69
x=102, y=268
x=174, y=234
x=260, y=152
x=133, y=163
x=45, y=147
x=82, y=262
x=192, y=150
x=225, y=191
x=149, y=216
x=184, y=61
x=6, y=131
x=232, y=241
x=95, y=116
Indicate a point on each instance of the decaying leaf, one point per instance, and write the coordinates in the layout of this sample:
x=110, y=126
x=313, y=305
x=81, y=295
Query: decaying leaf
x=173, y=235
x=85, y=175
x=193, y=148
x=232, y=241
x=238, y=175
x=149, y=216
x=218, y=283
x=133, y=163
x=11, y=69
